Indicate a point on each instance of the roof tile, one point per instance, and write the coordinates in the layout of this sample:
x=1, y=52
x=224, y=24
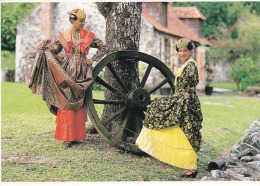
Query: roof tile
x=187, y=12
x=175, y=27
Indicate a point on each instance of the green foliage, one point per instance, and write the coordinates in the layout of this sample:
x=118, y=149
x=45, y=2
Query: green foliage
x=7, y=60
x=217, y=14
x=223, y=46
x=11, y=15
x=234, y=11
x=243, y=50
x=245, y=72
x=248, y=40
x=97, y=86
x=254, y=7
x=234, y=34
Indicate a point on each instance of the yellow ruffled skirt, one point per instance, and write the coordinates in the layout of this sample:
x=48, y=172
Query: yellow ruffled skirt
x=169, y=145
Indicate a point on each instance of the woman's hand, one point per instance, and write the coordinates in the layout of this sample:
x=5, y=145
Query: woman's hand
x=43, y=44
x=89, y=61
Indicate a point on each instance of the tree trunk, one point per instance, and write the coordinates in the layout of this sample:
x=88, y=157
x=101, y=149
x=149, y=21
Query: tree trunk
x=123, y=25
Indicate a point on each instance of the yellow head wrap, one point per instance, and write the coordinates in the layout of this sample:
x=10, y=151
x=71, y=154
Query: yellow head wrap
x=183, y=42
x=78, y=13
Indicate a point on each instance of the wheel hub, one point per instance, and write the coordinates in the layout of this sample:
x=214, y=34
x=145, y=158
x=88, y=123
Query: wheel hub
x=138, y=98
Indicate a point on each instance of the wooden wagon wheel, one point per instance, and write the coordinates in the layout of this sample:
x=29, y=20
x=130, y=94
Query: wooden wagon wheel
x=134, y=100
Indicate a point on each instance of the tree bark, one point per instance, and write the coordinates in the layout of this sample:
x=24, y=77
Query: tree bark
x=123, y=25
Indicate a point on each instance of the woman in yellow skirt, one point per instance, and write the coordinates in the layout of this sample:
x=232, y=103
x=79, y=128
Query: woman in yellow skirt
x=171, y=128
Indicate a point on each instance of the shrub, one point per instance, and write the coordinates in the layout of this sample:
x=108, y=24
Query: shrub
x=11, y=15
x=97, y=86
x=245, y=72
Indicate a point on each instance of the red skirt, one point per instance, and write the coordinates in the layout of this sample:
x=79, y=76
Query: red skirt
x=71, y=125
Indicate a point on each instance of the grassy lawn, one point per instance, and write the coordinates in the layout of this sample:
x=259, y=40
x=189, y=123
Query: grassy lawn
x=226, y=119
x=7, y=60
x=30, y=152
x=226, y=85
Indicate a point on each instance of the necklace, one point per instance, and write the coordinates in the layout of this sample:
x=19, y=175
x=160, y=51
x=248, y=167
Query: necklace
x=75, y=37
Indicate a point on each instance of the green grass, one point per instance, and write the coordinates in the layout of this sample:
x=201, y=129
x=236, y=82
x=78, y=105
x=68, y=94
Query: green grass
x=226, y=85
x=7, y=60
x=226, y=119
x=30, y=152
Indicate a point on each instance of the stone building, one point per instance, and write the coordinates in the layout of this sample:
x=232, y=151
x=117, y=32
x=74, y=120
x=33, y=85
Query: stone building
x=162, y=25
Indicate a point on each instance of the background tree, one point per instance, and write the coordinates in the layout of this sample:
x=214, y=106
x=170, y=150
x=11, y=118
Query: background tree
x=254, y=7
x=242, y=51
x=245, y=72
x=246, y=52
x=217, y=14
x=11, y=15
x=123, y=25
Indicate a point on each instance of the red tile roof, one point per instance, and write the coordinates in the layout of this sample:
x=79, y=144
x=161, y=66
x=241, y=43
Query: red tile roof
x=174, y=23
x=175, y=27
x=187, y=12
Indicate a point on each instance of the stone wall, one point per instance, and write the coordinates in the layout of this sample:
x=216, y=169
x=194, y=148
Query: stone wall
x=27, y=37
x=147, y=42
x=147, y=45
x=154, y=9
x=243, y=161
x=221, y=68
x=195, y=25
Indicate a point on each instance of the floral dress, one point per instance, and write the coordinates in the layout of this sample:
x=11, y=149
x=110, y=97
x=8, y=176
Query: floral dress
x=168, y=114
x=63, y=80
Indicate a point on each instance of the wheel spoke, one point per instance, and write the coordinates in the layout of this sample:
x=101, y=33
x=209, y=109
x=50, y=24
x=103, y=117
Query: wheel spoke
x=97, y=101
x=138, y=124
x=123, y=126
x=114, y=115
x=132, y=75
x=117, y=77
x=102, y=82
x=147, y=72
x=157, y=86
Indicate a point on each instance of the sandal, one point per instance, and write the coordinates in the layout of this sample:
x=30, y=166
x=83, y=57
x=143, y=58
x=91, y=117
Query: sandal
x=192, y=174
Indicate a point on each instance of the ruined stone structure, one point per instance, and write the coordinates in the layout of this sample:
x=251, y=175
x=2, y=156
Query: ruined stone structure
x=243, y=160
x=162, y=26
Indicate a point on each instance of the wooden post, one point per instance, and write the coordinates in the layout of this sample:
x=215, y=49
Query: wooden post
x=200, y=59
x=176, y=59
x=163, y=49
x=171, y=65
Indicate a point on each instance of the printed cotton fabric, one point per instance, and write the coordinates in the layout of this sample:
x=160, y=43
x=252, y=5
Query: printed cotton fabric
x=182, y=108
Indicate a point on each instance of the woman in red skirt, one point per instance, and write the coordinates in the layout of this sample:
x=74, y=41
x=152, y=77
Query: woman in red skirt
x=63, y=80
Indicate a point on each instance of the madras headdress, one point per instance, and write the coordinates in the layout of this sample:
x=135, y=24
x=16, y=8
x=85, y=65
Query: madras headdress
x=79, y=13
x=184, y=42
